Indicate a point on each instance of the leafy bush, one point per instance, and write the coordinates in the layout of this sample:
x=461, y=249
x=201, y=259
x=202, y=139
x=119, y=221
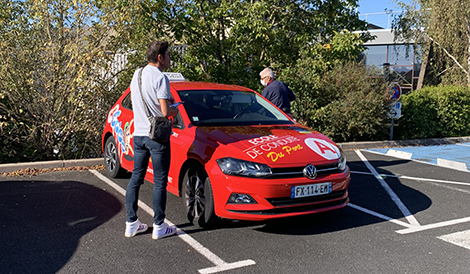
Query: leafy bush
x=56, y=81
x=347, y=103
x=435, y=112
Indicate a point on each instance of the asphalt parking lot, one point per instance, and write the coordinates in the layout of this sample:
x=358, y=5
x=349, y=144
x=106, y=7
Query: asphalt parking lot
x=409, y=213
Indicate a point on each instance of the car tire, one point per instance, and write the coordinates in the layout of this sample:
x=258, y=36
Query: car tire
x=111, y=159
x=198, y=198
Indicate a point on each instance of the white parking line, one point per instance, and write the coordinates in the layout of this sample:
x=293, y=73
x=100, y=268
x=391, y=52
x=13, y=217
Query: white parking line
x=411, y=219
x=381, y=216
x=414, y=178
x=432, y=226
x=452, y=164
x=412, y=229
x=399, y=154
x=419, y=161
x=459, y=238
x=220, y=265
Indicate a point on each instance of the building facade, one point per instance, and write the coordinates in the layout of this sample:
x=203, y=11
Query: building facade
x=397, y=60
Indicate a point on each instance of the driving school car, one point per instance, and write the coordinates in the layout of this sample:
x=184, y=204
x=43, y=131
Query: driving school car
x=235, y=155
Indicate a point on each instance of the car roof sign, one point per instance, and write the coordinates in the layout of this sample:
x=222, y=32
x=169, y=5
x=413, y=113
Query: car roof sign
x=174, y=76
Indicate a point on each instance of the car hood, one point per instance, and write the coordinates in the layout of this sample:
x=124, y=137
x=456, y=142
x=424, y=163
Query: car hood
x=273, y=145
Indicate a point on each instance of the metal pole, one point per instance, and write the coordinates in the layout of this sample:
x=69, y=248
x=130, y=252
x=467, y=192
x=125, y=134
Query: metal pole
x=386, y=69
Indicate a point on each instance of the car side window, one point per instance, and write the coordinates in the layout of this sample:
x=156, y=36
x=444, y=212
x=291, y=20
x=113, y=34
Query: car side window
x=126, y=102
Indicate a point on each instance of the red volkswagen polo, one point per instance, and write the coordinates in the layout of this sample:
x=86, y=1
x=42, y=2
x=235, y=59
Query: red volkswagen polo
x=236, y=156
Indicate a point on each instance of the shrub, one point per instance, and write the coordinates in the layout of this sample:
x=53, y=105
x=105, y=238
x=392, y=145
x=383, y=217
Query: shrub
x=347, y=103
x=454, y=111
x=435, y=112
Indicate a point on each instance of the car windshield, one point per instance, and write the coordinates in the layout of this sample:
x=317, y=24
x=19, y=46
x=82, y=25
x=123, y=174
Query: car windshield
x=230, y=108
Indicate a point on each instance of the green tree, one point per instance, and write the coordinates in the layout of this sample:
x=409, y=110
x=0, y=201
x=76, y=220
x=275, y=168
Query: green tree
x=53, y=83
x=57, y=81
x=231, y=41
x=336, y=94
x=444, y=27
x=134, y=24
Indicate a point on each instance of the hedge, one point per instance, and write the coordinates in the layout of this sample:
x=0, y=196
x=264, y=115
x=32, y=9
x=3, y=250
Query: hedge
x=434, y=112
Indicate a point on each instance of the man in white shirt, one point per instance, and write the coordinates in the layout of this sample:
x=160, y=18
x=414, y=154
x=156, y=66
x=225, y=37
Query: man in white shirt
x=155, y=91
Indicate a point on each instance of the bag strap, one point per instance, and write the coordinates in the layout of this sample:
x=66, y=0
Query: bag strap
x=147, y=111
x=141, y=95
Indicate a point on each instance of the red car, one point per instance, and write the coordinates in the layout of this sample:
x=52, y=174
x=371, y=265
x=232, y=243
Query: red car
x=236, y=156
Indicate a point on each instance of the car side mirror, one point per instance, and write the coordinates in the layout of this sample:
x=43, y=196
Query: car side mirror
x=176, y=122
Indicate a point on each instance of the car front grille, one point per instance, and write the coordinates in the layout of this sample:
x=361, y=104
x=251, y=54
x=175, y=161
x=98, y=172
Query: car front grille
x=296, y=172
x=305, y=208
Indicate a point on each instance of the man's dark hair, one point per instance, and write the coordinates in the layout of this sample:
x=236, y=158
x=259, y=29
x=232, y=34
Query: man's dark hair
x=154, y=49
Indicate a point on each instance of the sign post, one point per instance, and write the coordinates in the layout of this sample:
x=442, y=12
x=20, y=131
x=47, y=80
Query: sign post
x=395, y=109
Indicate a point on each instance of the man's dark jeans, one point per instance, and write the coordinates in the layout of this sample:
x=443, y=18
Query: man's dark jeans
x=144, y=148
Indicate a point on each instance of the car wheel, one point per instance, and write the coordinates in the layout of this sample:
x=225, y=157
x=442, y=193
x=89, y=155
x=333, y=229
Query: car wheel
x=111, y=159
x=198, y=200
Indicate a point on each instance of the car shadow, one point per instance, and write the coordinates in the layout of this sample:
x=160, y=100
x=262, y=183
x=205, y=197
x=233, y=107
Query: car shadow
x=364, y=191
x=41, y=222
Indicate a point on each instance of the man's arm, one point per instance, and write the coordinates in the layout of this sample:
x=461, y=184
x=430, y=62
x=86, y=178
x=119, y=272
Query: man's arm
x=167, y=111
x=291, y=95
x=267, y=93
x=264, y=93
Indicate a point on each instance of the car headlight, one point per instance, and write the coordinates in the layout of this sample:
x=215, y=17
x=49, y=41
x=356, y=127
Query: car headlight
x=342, y=161
x=231, y=166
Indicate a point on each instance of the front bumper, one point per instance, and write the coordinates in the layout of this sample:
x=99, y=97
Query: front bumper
x=273, y=196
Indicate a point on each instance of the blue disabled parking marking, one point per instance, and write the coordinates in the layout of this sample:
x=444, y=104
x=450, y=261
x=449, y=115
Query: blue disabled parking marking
x=456, y=154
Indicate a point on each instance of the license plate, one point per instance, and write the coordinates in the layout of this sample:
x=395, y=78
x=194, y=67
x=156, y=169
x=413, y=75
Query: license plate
x=310, y=190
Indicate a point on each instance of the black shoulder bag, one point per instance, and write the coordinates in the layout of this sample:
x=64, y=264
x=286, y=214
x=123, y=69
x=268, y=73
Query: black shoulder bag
x=160, y=126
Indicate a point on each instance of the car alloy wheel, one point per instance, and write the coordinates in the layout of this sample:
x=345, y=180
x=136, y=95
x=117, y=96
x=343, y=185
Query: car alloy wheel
x=197, y=197
x=111, y=159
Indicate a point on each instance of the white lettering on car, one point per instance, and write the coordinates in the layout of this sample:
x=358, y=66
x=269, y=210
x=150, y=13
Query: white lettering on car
x=269, y=143
x=261, y=140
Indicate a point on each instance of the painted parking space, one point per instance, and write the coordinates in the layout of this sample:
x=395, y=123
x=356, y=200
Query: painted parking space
x=219, y=264
x=455, y=156
x=404, y=217
x=461, y=238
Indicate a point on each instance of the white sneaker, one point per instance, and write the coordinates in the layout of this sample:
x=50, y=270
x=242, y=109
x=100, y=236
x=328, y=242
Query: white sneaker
x=162, y=231
x=134, y=228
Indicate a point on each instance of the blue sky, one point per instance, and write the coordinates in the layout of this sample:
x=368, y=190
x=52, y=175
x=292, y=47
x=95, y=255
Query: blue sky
x=377, y=6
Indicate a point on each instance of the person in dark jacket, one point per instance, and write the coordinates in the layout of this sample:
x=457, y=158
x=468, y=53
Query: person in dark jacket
x=276, y=91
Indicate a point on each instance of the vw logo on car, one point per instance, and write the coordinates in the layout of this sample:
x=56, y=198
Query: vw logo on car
x=310, y=172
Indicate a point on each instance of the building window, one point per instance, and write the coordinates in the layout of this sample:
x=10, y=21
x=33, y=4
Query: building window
x=402, y=69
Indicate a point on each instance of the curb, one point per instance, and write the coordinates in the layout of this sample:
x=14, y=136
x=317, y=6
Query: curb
x=403, y=143
x=6, y=168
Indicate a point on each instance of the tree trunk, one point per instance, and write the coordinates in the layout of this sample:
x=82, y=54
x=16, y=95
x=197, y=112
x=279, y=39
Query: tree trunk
x=468, y=49
x=424, y=62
